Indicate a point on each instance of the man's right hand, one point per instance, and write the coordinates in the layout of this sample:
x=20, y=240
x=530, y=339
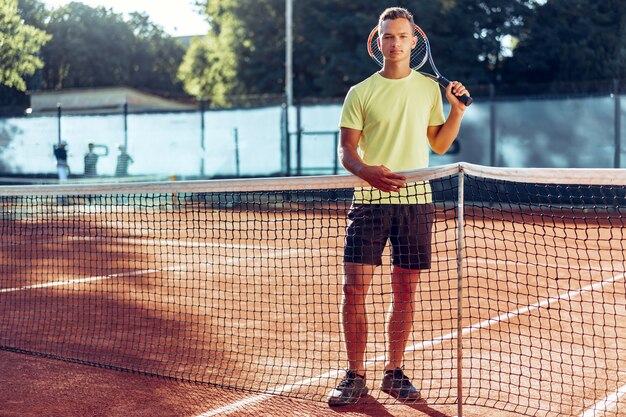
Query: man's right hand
x=382, y=178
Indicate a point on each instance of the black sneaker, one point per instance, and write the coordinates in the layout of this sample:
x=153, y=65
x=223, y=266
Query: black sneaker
x=349, y=390
x=398, y=385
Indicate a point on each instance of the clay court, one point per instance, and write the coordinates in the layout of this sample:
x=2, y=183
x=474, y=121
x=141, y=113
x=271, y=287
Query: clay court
x=217, y=304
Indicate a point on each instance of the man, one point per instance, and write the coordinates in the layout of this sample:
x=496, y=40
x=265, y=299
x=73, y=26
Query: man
x=91, y=162
x=388, y=123
x=60, y=153
x=123, y=160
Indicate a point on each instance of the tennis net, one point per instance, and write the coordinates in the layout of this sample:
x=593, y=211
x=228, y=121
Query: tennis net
x=238, y=284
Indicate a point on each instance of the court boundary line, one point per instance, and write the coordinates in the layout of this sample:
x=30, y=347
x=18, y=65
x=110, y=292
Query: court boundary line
x=605, y=404
x=87, y=279
x=230, y=408
x=278, y=251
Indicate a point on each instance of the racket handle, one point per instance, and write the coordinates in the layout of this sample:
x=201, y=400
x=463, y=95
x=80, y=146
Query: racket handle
x=444, y=82
x=467, y=100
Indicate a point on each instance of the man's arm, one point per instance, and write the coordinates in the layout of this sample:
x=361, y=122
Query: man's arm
x=441, y=137
x=377, y=176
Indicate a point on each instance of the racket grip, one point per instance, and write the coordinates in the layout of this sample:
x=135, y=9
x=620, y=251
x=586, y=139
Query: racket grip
x=467, y=100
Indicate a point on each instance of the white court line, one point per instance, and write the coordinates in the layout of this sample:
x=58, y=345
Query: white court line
x=188, y=244
x=418, y=346
x=170, y=242
x=543, y=265
x=607, y=403
x=88, y=279
x=140, y=241
x=28, y=242
x=280, y=251
x=274, y=251
x=195, y=244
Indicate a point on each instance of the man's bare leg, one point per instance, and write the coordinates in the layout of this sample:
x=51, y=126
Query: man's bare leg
x=400, y=316
x=356, y=285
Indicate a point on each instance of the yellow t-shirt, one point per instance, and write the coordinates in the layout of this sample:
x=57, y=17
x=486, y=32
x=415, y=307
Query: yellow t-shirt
x=393, y=116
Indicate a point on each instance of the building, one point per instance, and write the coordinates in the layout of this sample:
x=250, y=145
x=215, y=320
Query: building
x=101, y=100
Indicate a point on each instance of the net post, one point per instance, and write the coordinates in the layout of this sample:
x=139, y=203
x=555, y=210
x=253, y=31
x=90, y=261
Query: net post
x=288, y=81
x=336, y=158
x=59, y=112
x=202, y=132
x=459, y=347
x=618, y=127
x=125, y=115
x=298, y=139
x=237, y=162
x=289, y=53
x=492, y=125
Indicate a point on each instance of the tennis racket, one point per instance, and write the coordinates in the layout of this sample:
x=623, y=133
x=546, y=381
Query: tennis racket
x=419, y=55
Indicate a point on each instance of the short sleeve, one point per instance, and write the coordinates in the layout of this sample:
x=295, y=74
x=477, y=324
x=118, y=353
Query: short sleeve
x=436, y=111
x=352, y=112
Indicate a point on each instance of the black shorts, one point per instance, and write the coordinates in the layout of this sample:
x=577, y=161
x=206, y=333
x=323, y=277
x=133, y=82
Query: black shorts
x=407, y=226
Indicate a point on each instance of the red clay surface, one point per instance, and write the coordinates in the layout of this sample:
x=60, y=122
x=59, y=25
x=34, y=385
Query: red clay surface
x=38, y=387
x=251, y=299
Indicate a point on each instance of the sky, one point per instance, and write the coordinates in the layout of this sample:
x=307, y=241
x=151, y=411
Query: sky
x=176, y=17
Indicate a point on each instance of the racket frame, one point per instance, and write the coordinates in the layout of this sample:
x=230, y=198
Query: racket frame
x=437, y=77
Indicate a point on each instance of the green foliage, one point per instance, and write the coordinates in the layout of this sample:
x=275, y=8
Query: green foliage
x=208, y=70
x=89, y=48
x=155, y=57
x=33, y=12
x=330, y=46
x=571, y=41
x=479, y=42
x=94, y=47
x=475, y=34
x=241, y=56
x=245, y=54
x=20, y=44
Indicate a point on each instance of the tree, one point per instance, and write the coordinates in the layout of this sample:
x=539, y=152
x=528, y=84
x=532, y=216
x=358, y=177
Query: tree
x=33, y=12
x=330, y=46
x=478, y=42
x=90, y=48
x=155, y=57
x=245, y=55
x=571, y=41
x=95, y=47
x=454, y=47
x=19, y=47
x=209, y=68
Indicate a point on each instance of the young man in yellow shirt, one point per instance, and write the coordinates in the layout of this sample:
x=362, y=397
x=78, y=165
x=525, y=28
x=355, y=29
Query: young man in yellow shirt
x=389, y=123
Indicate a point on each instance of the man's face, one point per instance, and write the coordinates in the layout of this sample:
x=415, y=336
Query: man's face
x=396, y=40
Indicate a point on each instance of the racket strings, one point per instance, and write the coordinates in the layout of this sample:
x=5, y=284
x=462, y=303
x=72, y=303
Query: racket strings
x=419, y=54
x=374, y=51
